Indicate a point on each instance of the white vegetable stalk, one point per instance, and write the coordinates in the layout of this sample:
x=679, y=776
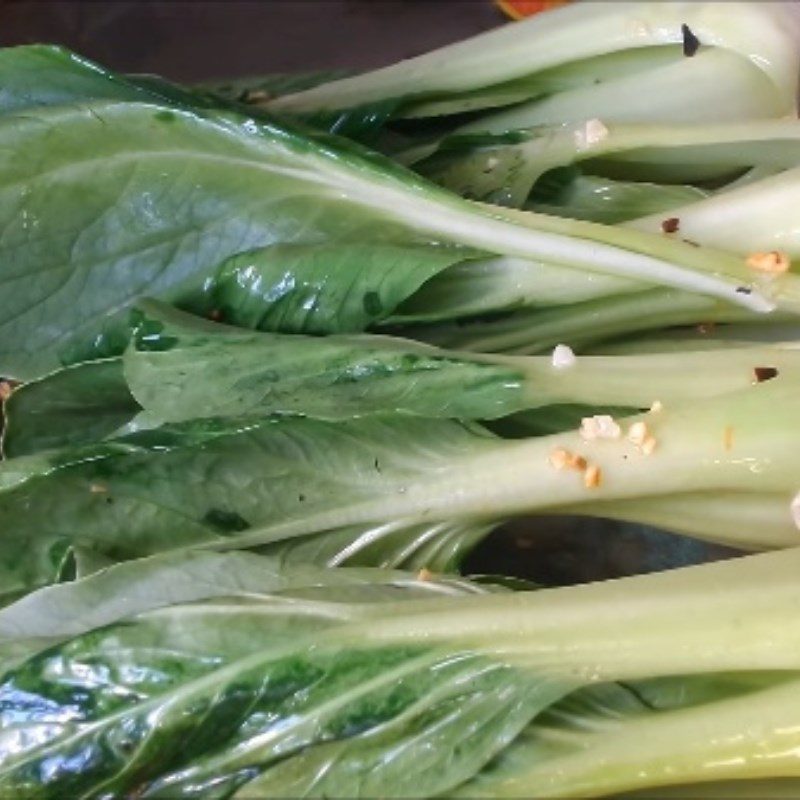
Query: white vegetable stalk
x=763, y=35
x=759, y=216
x=736, y=443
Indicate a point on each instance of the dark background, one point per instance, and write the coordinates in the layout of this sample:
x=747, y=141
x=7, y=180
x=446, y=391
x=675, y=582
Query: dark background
x=194, y=41
x=189, y=41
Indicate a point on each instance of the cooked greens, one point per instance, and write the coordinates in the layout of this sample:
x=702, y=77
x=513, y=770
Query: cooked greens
x=303, y=683
x=227, y=214
x=259, y=369
x=616, y=61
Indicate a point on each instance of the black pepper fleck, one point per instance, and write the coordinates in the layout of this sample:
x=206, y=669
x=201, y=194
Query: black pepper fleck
x=765, y=374
x=691, y=44
x=671, y=225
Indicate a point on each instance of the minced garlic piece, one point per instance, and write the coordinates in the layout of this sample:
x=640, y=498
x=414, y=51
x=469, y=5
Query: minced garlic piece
x=592, y=133
x=98, y=488
x=773, y=263
x=563, y=357
x=559, y=458
x=5, y=391
x=424, y=575
x=600, y=426
x=727, y=437
x=563, y=459
x=649, y=445
x=574, y=461
x=794, y=507
x=638, y=433
x=592, y=477
x=656, y=407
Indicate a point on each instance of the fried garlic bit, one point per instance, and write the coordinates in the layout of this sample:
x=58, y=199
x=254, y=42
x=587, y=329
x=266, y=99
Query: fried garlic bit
x=772, y=263
x=593, y=132
x=727, y=437
x=5, y=390
x=563, y=459
x=593, y=477
x=600, y=426
x=640, y=436
x=559, y=458
x=424, y=575
x=563, y=357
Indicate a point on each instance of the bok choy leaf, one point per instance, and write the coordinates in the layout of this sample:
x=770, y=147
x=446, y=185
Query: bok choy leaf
x=180, y=368
x=326, y=686
x=399, y=490
x=622, y=62
x=223, y=213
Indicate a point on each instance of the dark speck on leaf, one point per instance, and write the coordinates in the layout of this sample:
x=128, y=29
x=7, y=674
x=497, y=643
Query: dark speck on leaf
x=372, y=304
x=377, y=466
x=690, y=242
x=165, y=116
x=743, y=290
x=225, y=521
x=765, y=374
x=301, y=497
x=670, y=225
x=691, y=44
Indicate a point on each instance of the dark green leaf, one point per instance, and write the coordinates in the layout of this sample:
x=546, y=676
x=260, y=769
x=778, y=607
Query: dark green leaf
x=209, y=480
x=180, y=374
x=75, y=405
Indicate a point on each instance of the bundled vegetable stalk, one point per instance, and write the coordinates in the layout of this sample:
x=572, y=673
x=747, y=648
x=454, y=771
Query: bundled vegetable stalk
x=606, y=112
x=231, y=676
x=195, y=441
x=175, y=485
x=134, y=187
x=633, y=62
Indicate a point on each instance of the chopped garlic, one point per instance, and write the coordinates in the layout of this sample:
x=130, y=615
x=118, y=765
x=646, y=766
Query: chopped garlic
x=772, y=263
x=795, y=509
x=600, y=426
x=563, y=357
x=98, y=488
x=649, y=445
x=592, y=133
x=727, y=437
x=574, y=461
x=656, y=407
x=5, y=391
x=559, y=458
x=424, y=575
x=638, y=433
x=563, y=459
x=592, y=477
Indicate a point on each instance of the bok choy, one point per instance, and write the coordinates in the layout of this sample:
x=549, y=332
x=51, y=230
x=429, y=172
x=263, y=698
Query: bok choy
x=616, y=61
x=612, y=172
x=395, y=489
x=317, y=684
x=130, y=192
x=180, y=368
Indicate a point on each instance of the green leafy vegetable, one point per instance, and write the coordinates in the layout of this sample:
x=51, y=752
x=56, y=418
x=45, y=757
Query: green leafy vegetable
x=614, y=61
x=208, y=208
x=397, y=490
x=599, y=170
x=180, y=368
x=77, y=404
x=325, y=686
